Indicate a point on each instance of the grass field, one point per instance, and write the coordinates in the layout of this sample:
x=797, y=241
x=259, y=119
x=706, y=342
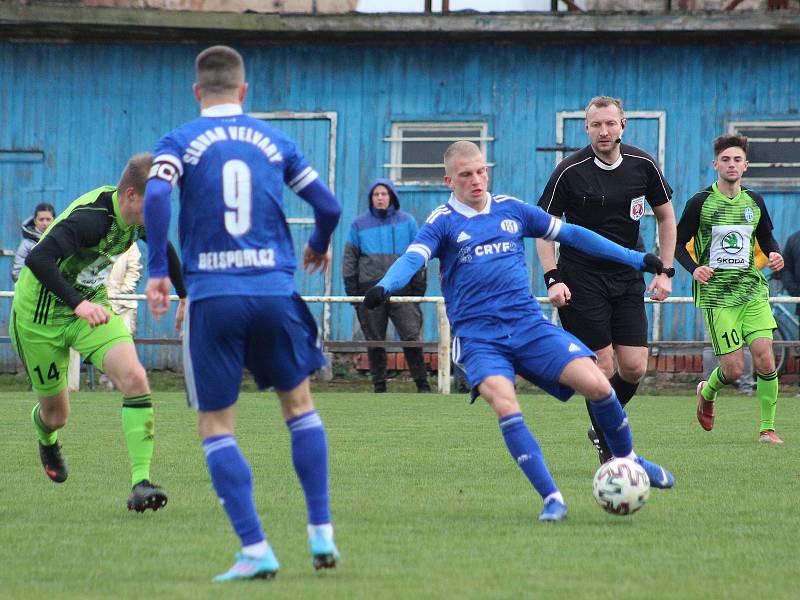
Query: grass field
x=426, y=500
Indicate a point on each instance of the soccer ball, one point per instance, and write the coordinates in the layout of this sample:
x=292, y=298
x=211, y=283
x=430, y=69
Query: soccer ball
x=621, y=486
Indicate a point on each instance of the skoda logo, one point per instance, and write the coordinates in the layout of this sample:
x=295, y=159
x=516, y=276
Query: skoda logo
x=732, y=242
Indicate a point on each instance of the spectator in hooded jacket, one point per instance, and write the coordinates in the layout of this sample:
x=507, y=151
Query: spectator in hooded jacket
x=32, y=229
x=377, y=238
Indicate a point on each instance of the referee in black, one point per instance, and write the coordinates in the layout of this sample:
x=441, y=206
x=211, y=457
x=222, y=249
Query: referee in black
x=604, y=187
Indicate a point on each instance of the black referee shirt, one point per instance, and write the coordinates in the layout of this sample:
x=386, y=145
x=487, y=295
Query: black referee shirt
x=608, y=199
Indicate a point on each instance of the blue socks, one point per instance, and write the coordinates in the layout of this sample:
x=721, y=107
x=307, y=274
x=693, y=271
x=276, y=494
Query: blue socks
x=614, y=423
x=310, y=459
x=233, y=482
x=526, y=452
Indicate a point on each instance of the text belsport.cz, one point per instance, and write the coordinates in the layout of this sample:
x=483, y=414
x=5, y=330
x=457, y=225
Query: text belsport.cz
x=236, y=259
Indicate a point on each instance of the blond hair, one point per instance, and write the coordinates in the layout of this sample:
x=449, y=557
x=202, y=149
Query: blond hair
x=459, y=149
x=602, y=102
x=219, y=70
x=136, y=172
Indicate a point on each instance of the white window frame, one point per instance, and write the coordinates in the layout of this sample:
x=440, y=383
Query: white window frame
x=332, y=117
x=659, y=115
x=735, y=127
x=396, y=140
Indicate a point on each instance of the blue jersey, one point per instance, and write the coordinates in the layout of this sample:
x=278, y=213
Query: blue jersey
x=231, y=169
x=485, y=280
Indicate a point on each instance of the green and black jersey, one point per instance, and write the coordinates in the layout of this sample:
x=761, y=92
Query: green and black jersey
x=725, y=231
x=71, y=262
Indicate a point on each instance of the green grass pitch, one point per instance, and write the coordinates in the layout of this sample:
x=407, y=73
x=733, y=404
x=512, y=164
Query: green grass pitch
x=426, y=500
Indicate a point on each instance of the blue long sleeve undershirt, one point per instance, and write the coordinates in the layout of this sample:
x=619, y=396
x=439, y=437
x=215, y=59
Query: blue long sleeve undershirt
x=580, y=238
x=594, y=244
x=157, y=215
x=401, y=271
x=327, y=211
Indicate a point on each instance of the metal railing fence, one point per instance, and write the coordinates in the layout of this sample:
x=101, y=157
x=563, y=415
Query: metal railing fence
x=443, y=343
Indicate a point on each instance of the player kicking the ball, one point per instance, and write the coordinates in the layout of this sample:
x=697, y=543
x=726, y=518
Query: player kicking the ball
x=61, y=301
x=499, y=330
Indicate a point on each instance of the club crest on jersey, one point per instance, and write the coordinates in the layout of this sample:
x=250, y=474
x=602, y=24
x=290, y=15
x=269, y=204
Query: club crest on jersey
x=509, y=225
x=637, y=208
x=748, y=214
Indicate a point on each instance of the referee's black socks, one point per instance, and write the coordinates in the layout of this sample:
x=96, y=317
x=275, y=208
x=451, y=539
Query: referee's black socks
x=624, y=390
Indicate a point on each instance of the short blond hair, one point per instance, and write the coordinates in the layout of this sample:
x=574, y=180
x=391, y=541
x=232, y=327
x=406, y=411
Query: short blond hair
x=219, y=70
x=602, y=102
x=459, y=149
x=136, y=172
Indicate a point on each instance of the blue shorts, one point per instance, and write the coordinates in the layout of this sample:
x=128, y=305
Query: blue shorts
x=275, y=337
x=538, y=351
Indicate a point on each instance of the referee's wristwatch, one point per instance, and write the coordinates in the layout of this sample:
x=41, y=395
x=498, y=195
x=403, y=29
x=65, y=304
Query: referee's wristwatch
x=669, y=271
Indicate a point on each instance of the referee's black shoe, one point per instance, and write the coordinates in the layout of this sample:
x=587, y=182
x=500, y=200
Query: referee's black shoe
x=53, y=462
x=603, y=453
x=146, y=495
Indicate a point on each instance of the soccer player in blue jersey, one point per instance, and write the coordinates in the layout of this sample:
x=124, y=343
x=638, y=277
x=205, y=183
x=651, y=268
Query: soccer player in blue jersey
x=243, y=308
x=499, y=329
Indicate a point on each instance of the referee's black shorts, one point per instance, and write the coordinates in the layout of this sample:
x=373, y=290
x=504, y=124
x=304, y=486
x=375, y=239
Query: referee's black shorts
x=605, y=308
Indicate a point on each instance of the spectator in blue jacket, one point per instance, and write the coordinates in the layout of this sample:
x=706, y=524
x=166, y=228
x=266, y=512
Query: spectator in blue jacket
x=377, y=238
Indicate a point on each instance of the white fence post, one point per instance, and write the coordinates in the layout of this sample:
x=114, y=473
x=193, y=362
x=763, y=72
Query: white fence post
x=444, y=349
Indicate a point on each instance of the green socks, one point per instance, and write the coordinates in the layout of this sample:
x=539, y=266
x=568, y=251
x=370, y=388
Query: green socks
x=716, y=381
x=45, y=435
x=137, y=423
x=767, y=393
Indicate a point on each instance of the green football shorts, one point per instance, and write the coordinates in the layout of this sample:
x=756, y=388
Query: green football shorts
x=731, y=326
x=44, y=349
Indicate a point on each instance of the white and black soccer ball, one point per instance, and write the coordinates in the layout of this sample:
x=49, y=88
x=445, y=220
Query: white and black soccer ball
x=621, y=486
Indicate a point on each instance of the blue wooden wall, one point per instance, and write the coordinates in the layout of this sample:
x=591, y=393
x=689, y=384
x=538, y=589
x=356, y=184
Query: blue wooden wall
x=73, y=113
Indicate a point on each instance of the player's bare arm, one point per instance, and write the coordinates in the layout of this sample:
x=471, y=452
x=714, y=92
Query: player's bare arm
x=557, y=291
x=661, y=286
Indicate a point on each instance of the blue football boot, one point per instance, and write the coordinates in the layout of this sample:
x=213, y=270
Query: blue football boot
x=659, y=476
x=323, y=551
x=247, y=567
x=553, y=511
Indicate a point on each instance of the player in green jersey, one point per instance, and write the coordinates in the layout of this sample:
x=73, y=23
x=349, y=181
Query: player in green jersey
x=61, y=301
x=725, y=220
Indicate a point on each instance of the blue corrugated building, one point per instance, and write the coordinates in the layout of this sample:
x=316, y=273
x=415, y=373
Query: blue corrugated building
x=370, y=96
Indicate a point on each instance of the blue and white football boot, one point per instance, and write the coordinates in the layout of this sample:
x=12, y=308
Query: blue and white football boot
x=324, y=553
x=553, y=510
x=659, y=476
x=247, y=567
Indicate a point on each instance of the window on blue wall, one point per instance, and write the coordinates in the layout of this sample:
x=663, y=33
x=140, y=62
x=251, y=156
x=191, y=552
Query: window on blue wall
x=417, y=148
x=773, y=151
